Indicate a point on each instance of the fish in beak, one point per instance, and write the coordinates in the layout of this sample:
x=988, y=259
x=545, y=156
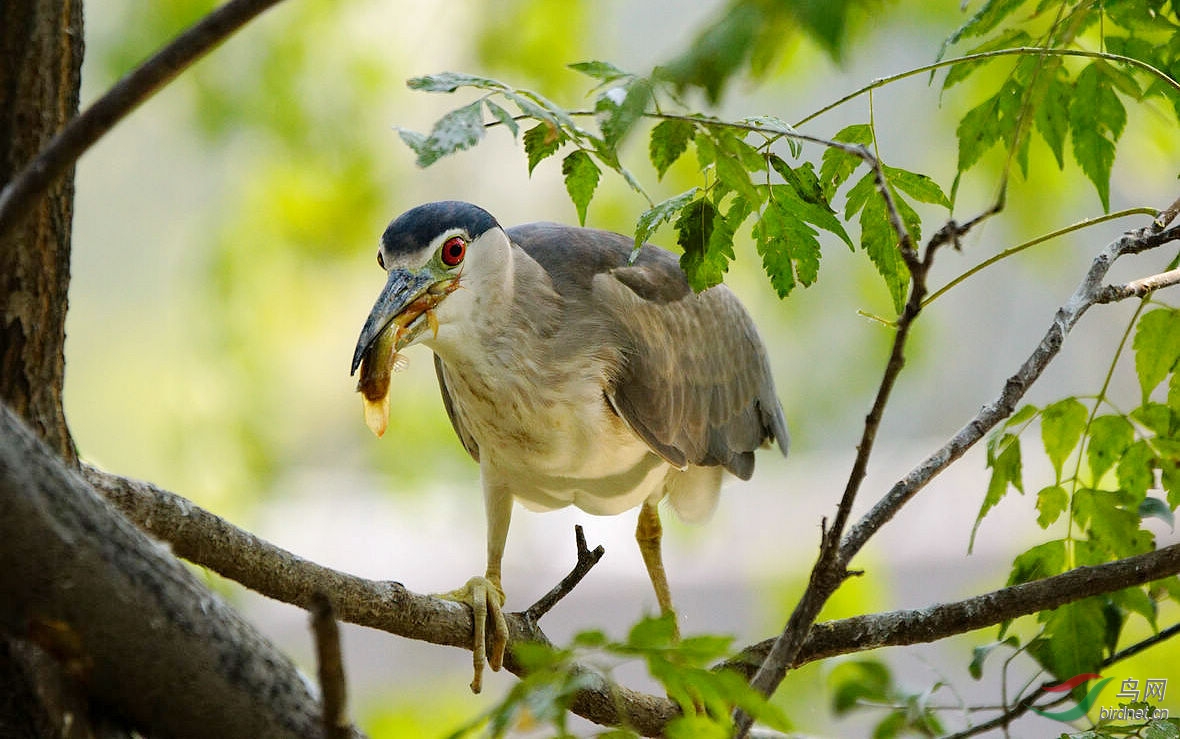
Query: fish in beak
x=404, y=309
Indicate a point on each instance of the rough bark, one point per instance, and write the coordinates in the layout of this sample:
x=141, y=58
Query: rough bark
x=40, y=63
x=126, y=622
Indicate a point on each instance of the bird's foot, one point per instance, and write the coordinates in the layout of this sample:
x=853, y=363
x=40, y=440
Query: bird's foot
x=486, y=597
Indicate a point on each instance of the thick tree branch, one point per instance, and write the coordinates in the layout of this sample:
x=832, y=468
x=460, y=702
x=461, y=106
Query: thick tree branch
x=127, y=620
x=203, y=538
x=84, y=130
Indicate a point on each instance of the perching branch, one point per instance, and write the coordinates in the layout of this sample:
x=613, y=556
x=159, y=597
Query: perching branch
x=210, y=541
x=276, y=573
x=117, y=103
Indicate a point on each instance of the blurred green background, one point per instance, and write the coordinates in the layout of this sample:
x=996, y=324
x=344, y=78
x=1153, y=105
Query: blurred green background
x=224, y=261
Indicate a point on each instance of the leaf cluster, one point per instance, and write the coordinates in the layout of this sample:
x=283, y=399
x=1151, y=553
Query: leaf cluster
x=706, y=697
x=1060, y=88
x=1113, y=471
x=751, y=170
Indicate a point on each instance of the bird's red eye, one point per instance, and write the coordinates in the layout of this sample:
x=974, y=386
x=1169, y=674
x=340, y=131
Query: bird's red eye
x=453, y=251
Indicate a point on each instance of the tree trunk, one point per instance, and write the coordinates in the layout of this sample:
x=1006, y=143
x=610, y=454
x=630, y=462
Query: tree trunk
x=40, y=76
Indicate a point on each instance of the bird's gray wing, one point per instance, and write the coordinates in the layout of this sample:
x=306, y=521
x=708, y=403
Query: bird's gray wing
x=692, y=378
x=452, y=413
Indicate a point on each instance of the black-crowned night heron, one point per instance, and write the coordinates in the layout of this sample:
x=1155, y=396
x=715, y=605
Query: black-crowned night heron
x=572, y=375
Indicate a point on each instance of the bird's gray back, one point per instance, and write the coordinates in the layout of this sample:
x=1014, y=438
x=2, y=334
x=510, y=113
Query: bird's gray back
x=692, y=377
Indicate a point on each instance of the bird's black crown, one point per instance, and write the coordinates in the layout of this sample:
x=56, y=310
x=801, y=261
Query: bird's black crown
x=415, y=228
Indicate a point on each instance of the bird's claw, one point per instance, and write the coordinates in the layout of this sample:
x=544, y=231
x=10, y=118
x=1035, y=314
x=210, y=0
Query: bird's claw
x=485, y=598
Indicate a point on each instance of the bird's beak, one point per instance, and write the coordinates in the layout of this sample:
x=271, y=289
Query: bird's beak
x=404, y=299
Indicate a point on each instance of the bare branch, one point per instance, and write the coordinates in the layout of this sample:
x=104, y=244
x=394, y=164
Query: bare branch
x=117, y=103
x=922, y=625
x=333, y=686
x=587, y=558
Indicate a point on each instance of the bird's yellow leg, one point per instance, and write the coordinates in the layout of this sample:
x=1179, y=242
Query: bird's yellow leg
x=648, y=533
x=485, y=594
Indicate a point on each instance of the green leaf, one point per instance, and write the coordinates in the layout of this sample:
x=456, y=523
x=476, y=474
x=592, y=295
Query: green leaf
x=1072, y=640
x=540, y=142
x=992, y=121
x=980, y=654
x=1157, y=347
x=1043, y=560
x=705, y=260
x=1136, y=600
x=451, y=81
x=859, y=680
x=1096, y=118
x=804, y=197
x=693, y=726
x=602, y=71
x=503, y=116
x=1062, y=424
x=460, y=129
x=1111, y=526
x=1160, y=419
x=988, y=17
x=838, y=165
x=653, y=632
x=1003, y=457
x=918, y=186
x=617, y=117
x=660, y=213
x=1052, y=114
x=1109, y=438
x=669, y=140
x=789, y=249
x=1136, y=470
x=581, y=178
x=879, y=241
x=731, y=173
x=1051, y=503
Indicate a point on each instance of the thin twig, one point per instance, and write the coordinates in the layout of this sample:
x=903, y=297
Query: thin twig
x=333, y=687
x=64, y=149
x=587, y=558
